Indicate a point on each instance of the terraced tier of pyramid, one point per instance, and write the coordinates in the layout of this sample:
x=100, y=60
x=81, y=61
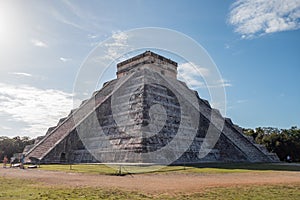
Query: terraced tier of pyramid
x=146, y=115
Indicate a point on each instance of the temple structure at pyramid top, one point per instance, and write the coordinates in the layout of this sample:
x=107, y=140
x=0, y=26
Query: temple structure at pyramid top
x=159, y=64
x=146, y=115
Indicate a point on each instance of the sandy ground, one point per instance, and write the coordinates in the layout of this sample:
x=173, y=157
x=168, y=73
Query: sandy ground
x=155, y=183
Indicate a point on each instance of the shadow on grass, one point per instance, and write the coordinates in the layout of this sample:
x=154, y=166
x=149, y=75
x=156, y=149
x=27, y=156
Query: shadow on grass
x=281, y=166
x=124, y=170
x=222, y=168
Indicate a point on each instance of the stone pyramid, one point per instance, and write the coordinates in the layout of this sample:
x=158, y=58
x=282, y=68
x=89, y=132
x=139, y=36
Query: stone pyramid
x=146, y=115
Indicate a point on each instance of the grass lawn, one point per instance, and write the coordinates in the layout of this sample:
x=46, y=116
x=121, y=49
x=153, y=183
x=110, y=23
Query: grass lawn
x=13, y=188
x=24, y=189
x=203, y=168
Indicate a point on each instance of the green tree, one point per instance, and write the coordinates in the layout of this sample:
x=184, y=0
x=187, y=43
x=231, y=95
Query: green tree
x=9, y=146
x=283, y=142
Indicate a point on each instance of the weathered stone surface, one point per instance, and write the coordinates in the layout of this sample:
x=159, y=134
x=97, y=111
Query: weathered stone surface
x=140, y=113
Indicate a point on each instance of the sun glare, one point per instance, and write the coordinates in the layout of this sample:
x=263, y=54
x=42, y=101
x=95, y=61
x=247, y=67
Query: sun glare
x=7, y=21
x=2, y=21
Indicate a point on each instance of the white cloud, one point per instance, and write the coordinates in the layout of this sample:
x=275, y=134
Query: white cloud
x=241, y=101
x=5, y=128
x=21, y=74
x=194, y=76
x=115, y=48
x=223, y=83
x=120, y=39
x=37, y=108
x=119, y=43
x=59, y=17
x=74, y=9
x=74, y=15
x=27, y=75
x=93, y=44
x=39, y=43
x=91, y=36
x=190, y=74
x=65, y=59
x=258, y=17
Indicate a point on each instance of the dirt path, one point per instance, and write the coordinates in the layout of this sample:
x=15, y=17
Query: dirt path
x=155, y=183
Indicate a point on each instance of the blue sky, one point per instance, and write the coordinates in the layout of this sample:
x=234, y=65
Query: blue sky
x=255, y=45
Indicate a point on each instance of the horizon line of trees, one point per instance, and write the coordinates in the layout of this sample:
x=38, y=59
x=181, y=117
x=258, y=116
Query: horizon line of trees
x=10, y=146
x=283, y=142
